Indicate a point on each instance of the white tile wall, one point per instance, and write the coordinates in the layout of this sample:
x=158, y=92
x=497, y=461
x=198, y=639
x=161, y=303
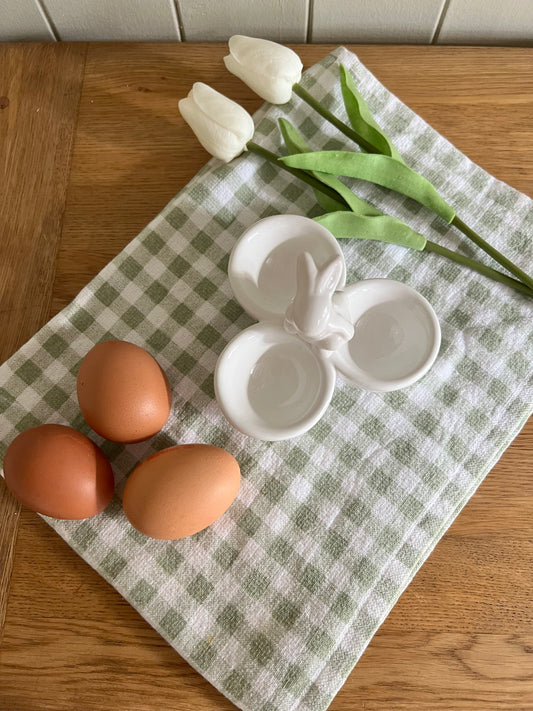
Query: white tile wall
x=23, y=20
x=414, y=21
x=340, y=21
x=217, y=20
x=113, y=19
x=488, y=22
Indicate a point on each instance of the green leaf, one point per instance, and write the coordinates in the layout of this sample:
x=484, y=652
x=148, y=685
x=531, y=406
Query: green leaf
x=362, y=120
x=382, y=228
x=382, y=170
x=356, y=204
x=293, y=140
x=296, y=144
x=328, y=203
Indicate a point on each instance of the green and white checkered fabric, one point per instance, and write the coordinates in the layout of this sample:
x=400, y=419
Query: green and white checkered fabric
x=276, y=601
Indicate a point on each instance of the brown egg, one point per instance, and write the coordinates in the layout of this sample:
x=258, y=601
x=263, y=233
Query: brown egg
x=181, y=490
x=58, y=472
x=122, y=392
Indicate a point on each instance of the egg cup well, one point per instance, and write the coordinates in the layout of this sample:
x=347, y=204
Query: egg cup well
x=275, y=379
x=262, y=264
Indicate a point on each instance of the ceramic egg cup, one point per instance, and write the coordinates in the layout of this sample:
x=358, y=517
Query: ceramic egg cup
x=275, y=379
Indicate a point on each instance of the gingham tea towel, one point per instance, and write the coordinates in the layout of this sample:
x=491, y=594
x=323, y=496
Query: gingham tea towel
x=276, y=601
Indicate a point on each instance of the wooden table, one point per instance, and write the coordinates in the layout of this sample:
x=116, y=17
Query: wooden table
x=92, y=147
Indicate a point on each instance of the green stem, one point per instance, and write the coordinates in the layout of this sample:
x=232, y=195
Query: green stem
x=463, y=227
x=302, y=174
x=430, y=246
x=492, y=251
x=317, y=106
x=478, y=267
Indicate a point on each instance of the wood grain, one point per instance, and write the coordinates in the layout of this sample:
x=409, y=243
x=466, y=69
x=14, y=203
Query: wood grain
x=40, y=88
x=9, y=518
x=461, y=636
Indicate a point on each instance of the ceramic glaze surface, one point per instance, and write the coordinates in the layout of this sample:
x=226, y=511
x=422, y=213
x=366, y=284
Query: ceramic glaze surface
x=313, y=315
x=275, y=379
x=282, y=383
x=390, y=341
x=262, y=266
x=396, y=336
x=271, y=385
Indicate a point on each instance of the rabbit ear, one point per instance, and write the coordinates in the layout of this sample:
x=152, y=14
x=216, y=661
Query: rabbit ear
x=306, y=272
x=329, y=276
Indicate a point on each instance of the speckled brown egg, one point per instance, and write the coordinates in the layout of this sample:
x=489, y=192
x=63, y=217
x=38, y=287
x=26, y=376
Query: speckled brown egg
x=122, y=392
x=181, y=490
x=58, y=472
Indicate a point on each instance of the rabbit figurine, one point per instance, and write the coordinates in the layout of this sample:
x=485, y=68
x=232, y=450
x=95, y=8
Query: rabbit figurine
x=313, y=315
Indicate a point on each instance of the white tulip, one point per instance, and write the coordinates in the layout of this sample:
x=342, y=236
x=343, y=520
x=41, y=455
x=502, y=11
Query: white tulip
x=268, y=68
x=221, y=125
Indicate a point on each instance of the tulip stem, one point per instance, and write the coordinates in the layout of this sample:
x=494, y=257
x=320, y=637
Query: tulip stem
x=493, y=252
x=479, y=267
x=302, y=174
x=462, y=226
x=430, y=246
x=325, y=113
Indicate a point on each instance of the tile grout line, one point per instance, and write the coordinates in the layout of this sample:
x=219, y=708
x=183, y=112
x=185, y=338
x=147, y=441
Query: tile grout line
x=48, y=20
x=438, y=27
x=310, y=14
x=178, y=19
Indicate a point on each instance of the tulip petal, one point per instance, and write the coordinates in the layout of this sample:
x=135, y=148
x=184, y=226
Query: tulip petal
x=268, y=68
x=220, y=124
x=271, y=57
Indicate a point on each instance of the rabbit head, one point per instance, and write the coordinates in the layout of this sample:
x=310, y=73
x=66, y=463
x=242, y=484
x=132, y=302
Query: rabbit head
x=313, y=315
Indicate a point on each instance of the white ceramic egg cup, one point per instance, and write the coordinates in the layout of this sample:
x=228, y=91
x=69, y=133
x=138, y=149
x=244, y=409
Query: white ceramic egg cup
x=275, y=379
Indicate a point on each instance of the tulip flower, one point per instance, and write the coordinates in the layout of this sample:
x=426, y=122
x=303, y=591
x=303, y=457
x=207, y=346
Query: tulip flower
x=225, y=130
x=221, y=125
x=273, y=72
x=268, y=68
